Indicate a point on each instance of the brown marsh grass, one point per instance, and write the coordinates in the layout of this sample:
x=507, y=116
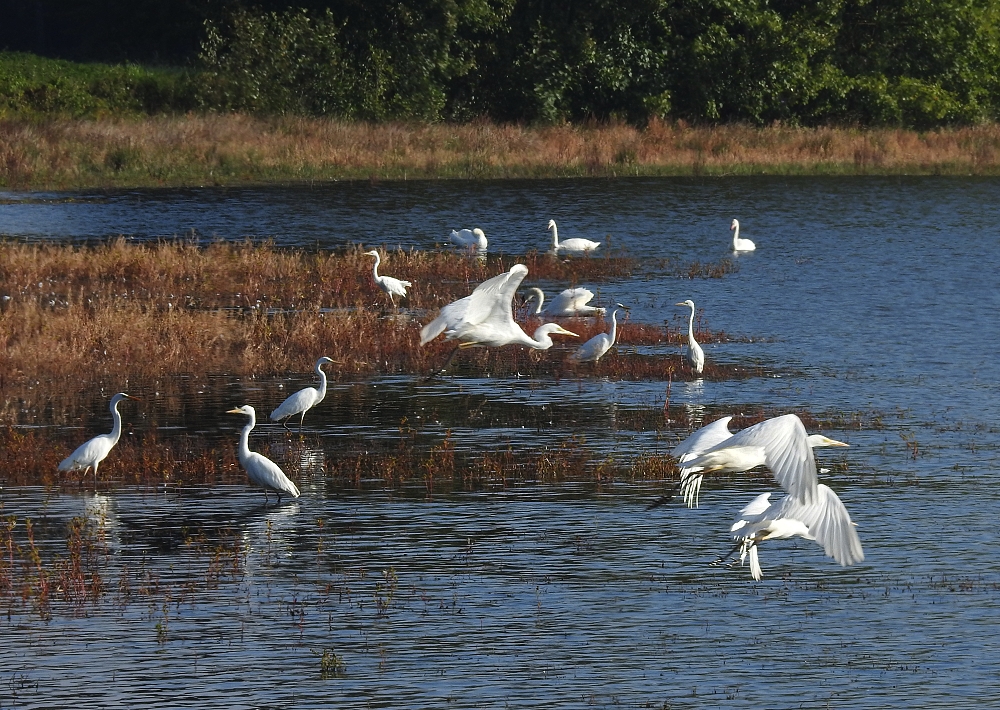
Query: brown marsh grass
x=234, y=149
x=75, y=317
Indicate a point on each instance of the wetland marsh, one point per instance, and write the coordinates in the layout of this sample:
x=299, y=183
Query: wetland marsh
x=481, y=539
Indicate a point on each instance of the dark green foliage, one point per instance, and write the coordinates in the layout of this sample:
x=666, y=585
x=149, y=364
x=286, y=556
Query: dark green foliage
x=34, y=86
x=912, y=63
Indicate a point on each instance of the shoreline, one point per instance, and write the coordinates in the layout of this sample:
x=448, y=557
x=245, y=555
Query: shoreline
x=238, y=150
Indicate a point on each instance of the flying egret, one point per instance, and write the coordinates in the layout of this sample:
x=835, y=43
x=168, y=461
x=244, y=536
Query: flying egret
x=473, y=239
x=260, y=469
x=826, y=521
x=303, y=400
x=571, y=302
x=780, y=443
x=706, y=438
x=694, y=355
x=393, y=287
x=91, y=453
x=740, y=244
x=485, y=318
x=570, y=246
x=595, y=348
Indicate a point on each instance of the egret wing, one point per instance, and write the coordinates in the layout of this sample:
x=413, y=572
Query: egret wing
x=593, y=349
x=491, y=301
x=786, y=452
x=87, y=453
x=301, y=401
x=829, y=522
x=449, y=317
x=265, y=472
x=703, y=439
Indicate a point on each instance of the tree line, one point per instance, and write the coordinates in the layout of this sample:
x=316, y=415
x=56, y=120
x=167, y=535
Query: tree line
x=912, y=63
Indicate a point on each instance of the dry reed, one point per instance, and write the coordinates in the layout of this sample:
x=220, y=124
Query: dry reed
x=78, y=318
x=231, y=149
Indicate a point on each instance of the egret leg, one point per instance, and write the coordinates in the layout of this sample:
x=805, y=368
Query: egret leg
x=284, y=423
x=667, y=497
x=301, y=418
x=447, y=363
x=729, y=554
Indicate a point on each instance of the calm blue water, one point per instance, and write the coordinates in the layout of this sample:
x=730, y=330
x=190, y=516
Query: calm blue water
x=869, y=295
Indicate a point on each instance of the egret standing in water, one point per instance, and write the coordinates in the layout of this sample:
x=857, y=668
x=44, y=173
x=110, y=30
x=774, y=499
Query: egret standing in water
x=694, y=355
x=485, y=318
x=571, y=302
x=570, y=246
x=260, y=469
x=303, y=400
x=89, y=454
x=740, y=244
x=595, y=348
x=826, y=521
x=393, y=287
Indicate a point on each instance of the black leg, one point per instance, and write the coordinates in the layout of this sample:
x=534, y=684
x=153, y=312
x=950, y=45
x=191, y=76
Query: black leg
x=729, y=554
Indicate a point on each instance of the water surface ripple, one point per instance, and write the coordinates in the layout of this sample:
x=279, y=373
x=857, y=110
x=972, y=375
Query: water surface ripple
x=871, y=295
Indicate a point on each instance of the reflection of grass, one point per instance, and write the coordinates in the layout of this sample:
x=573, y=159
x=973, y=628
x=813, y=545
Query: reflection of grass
x=235, y=149
x=30, y=458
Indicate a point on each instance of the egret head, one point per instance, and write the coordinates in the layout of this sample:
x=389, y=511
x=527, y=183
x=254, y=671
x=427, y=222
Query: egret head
x=119, y=397
x=734, y=225
x=246, y=409
x=623, y=306
x=553, y=329
x=820, y=440
x=373, y=252
x=689, y=303
x=323, y=361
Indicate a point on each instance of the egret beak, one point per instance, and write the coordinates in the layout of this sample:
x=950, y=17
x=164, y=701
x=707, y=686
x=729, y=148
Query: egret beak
x=128, y=396
x=681, y=304
x=235, y=411
x=834, y=442
x=563, y=331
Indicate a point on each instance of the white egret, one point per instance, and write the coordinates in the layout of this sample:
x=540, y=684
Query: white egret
x=260, y=469
x=303, y=400
x=780, y=443
x=711, y=437
x=571, y=302
x=393, y=287
x=694, y=355
x=486, y=319
x=89, y=454
x=826, y=521
x=473, y=239
x=570, y=246
x=740, y=244
x=595, y=348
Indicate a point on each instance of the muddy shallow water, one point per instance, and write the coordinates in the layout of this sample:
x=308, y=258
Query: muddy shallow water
x=865, y=296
